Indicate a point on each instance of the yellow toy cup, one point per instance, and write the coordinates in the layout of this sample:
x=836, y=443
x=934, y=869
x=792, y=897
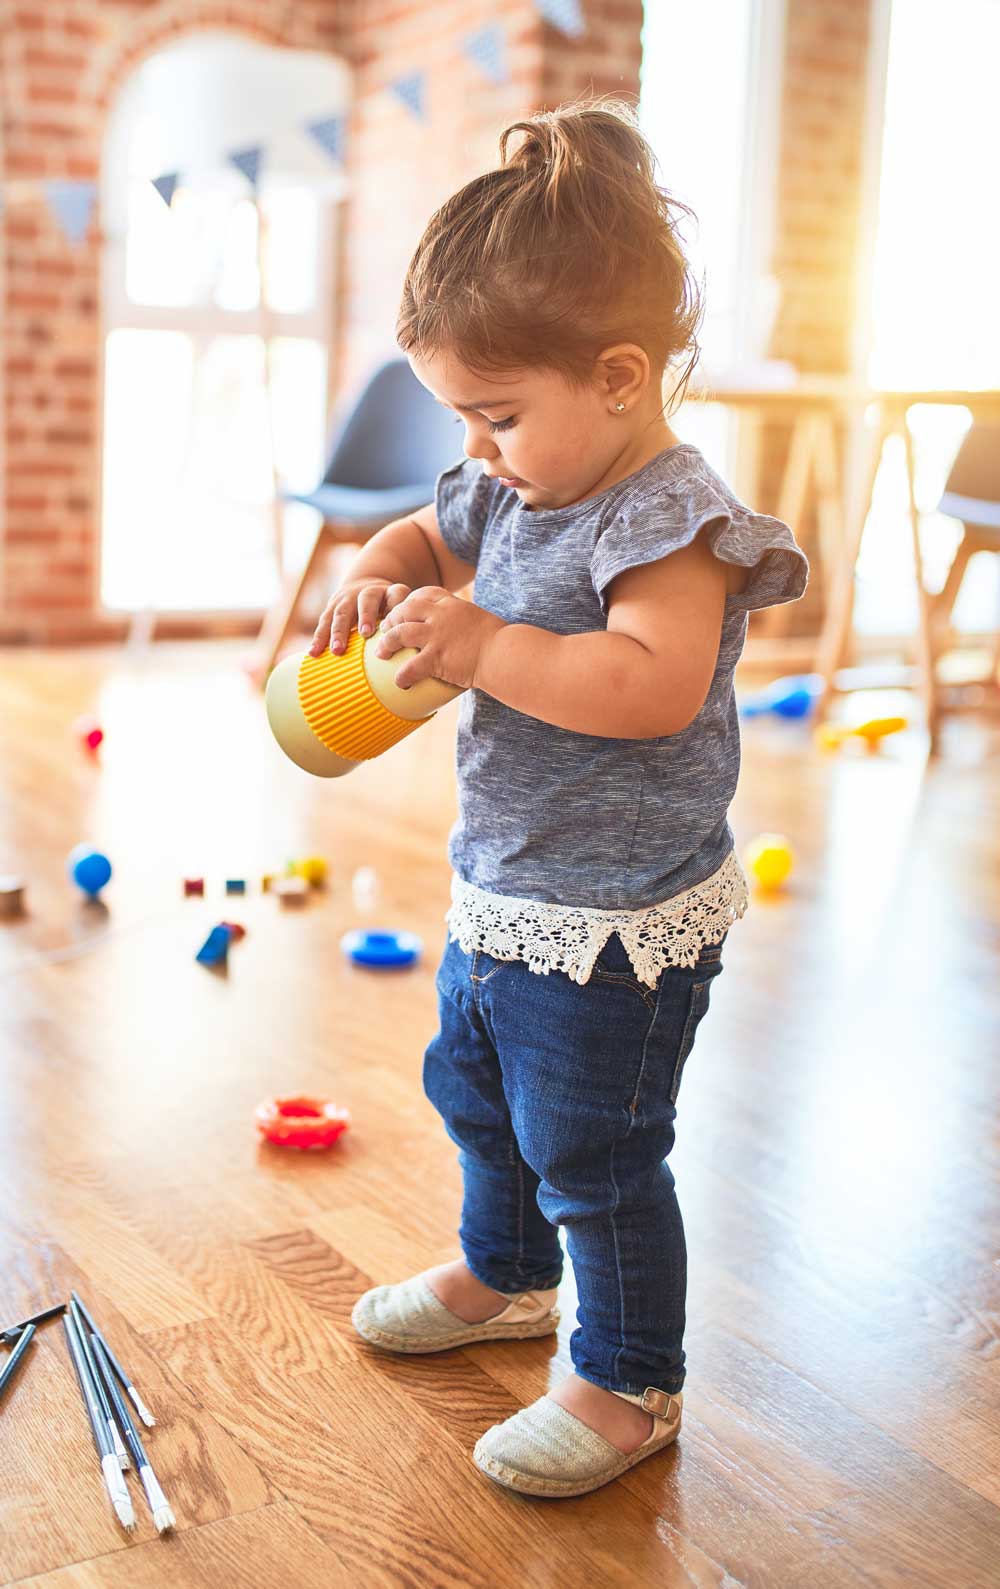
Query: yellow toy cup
x=330, y=713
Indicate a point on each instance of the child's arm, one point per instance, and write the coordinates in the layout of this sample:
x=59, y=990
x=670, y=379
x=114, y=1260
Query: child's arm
x=647, y=676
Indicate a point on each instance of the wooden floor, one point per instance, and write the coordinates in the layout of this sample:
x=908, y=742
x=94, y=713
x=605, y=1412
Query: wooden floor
x=836, y=1161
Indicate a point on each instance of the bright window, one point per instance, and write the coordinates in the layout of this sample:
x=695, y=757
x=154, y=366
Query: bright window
x=715, y=151
x=933, y=293
x=213, y=388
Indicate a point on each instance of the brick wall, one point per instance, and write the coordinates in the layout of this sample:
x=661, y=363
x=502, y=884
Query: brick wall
x=818, y=219
x=60, y=68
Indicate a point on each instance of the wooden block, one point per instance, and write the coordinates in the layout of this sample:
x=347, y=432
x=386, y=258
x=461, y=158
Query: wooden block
x=291, y=890
x=11, y=897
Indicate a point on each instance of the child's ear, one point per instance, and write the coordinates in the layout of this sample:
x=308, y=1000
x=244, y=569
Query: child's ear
x=623, y=375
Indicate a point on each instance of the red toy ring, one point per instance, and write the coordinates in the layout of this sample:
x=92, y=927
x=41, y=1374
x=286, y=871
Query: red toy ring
x=301, y=1122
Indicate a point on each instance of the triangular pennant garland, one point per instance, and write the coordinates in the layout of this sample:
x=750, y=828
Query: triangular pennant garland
x=485, y=47
x=566, y=15
x=248, y=161
x=331, y=135
x=166, y=185
x=411, y=91
x=72, y=204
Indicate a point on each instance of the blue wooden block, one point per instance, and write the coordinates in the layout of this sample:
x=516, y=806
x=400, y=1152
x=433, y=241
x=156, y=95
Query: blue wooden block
x=236, y=885
x=215, y=948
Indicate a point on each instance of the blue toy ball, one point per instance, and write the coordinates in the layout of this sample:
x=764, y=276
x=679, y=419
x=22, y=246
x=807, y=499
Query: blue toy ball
x=88, y=868
x=381, y=948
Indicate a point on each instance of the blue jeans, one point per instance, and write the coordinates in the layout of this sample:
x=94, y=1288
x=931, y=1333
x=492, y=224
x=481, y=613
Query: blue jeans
x=562, y=1098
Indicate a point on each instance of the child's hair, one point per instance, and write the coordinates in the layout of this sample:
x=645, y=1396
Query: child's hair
x=570, y=245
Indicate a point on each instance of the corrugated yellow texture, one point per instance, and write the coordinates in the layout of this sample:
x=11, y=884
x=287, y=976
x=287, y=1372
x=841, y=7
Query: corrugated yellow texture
x=341, y=708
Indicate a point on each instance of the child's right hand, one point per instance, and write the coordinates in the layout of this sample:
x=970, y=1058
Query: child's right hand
x=361, y=602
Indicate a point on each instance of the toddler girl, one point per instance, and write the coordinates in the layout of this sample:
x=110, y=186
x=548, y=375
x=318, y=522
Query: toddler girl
x=594, y=877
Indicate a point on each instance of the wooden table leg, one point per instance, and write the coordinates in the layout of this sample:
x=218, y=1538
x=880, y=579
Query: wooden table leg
x=829, y=498
x=835, y=632
x=792, y=498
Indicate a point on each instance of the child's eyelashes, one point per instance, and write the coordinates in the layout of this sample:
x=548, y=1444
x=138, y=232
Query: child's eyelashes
x=496, y=424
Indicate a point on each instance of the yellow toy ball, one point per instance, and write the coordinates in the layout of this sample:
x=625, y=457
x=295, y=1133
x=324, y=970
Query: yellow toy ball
x=769, y=858
x=313, y=869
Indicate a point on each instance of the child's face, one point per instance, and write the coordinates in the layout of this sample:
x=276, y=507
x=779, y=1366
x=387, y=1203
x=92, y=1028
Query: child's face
x=545, y=439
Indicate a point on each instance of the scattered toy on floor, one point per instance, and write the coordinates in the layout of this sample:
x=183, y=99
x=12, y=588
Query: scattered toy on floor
x=365, y=888
x=382, y=949
x=88, y=868
x=236, y=885
x=89, y=732
x=314, y=869
x=769, y=858
x=305, y=1123
x=830, y=736
x=215, y=950
x=291, y=890
x=791, y=697
x=194, y=886
x=12, y=901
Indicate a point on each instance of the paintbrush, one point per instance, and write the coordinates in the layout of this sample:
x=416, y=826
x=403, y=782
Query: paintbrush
x=113, y=1481
x=163, y=1517
x=12, y=1331
x=13, y=1362
x=116, y=1442
x=137, y=1401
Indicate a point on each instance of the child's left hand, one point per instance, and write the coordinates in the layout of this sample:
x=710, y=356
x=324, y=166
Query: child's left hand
x=449, y=634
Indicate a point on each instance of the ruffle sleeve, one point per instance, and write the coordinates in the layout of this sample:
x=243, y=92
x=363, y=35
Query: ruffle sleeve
x=643, y=533
x=463, y=497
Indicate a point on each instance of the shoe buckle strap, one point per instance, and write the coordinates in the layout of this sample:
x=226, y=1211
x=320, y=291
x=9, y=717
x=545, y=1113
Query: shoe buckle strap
x=657, y=1402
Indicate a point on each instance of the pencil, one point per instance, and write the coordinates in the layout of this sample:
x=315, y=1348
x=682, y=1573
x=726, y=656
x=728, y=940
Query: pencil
x=113, y=1481
x=116, y=1443
x=137, y=1401
x=12, y=1331
x=13, y=1362
x=163, y=1517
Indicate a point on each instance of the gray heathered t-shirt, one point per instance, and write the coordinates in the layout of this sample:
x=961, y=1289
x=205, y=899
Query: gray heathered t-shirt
x=578, y=819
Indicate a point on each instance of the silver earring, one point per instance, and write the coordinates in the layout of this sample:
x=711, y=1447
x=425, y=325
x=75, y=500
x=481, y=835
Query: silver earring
x=620, y=407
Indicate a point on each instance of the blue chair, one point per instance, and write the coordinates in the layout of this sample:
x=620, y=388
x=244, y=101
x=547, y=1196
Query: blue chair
x=385, y=455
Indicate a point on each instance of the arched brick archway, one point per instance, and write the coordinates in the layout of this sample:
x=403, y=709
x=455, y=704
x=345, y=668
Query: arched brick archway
x=54, y=344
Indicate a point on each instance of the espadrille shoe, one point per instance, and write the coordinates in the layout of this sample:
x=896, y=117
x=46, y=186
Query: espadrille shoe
x=409, y=1318
x=545, y=1450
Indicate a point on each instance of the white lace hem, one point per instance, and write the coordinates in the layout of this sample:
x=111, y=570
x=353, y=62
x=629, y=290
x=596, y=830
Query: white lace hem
x=570, y=937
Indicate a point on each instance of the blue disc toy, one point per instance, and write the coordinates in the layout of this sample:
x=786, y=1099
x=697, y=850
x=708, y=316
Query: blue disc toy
x=381, y=948
x=88, y=868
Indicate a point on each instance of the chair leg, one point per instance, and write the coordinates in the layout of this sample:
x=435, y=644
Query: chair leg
x=927, y=671
x=280, y=618
x=942, y=605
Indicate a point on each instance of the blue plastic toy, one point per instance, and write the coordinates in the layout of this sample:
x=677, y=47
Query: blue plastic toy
x=215, y=949
x=381, y=948
x=88, y=869
x=791, y=697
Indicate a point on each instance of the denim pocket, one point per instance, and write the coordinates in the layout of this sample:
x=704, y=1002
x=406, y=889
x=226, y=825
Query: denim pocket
x=697, y=1006
x=614, y=968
